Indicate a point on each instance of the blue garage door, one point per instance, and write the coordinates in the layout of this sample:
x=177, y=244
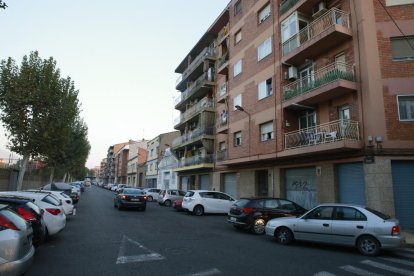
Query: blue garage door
x=230, y=184
x=351, y=183
x=403, y=185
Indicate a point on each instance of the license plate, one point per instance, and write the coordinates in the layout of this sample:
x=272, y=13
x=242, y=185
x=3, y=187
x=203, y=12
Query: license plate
x=233, y=219
x=134, y=199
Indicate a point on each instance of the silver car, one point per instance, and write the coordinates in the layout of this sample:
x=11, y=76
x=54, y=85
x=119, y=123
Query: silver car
x=16, y=249
x=342, y=224
x=167, y=197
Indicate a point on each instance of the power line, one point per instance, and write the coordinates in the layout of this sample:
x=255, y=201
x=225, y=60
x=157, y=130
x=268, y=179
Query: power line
x=395, y=23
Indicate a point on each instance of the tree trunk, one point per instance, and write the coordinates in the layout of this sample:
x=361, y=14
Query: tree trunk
x=21, y=172
x=52, y=174
x=64, y=177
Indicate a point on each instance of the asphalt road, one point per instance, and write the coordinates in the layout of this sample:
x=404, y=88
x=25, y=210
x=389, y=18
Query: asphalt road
x=101, y=240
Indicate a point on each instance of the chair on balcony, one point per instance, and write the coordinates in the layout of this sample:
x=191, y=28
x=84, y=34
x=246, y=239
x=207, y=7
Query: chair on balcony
x=330, y=136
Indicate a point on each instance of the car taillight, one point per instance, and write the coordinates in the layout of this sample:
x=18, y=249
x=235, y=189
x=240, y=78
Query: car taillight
x=53, y=211
x=145, y=197
x=123, y=196
x=395, y=230
x=26, y=214
x=5, y=223
x=247, y=210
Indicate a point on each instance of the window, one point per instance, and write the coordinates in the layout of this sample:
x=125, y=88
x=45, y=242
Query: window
x=264, y=49
x=265, y=88
x=238, y=37
x=237, y=69
x=398, y=2
x=402, y=48
x=266, y=131
x=237, y=138
x=238, y=7
x=307, y=120
x=237, y=101
x=289, y=28
x=345, y=213
x=406, y=107
x=264, y=13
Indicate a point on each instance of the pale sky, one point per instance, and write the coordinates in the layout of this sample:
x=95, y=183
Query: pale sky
x=120, y=54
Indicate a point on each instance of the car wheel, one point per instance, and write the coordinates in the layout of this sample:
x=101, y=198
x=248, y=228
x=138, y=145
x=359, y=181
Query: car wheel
x=368, y=246
x=150, y=198
x=284, y=236
x=198, y=210
x=167, y=203
x=259, y=226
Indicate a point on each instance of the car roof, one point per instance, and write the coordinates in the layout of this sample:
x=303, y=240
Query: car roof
x=28, y=194
x=14, y=197
x=341, y=205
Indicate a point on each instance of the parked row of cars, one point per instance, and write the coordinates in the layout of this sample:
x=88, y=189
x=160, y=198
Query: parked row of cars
x=27, y=219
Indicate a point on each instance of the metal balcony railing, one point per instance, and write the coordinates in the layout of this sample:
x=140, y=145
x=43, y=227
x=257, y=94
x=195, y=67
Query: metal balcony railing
x=194, y=87
x=327, y=74
x=316, y=27
x=193, y=135
x=200, y=106
x=223, y=32
x=325, y=133
x=221, y=121
x=221, y=155
x=223, y=59
x=223, y=89
x=286, y=5
x=196, y=160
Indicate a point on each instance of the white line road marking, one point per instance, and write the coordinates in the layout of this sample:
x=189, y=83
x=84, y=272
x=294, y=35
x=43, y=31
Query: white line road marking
x=324, y=273
x=389, y=268
x=358, y=271
x=400, y=261
x=74, y=212
x=213, y=271
x=122, y=259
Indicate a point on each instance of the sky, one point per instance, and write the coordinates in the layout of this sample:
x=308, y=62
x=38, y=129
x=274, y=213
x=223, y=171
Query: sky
x=120, y=54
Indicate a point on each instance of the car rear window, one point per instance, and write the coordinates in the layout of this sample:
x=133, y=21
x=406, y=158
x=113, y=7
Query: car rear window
x=133, y=191
x=242, y=203
x=34, y=207
x=190, y=194
x=378, y=213
x=15, y=219
x=51, y=200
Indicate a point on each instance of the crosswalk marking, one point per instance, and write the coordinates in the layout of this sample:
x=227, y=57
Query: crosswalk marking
x=388, y=268
x=358, y=271
x=400, y=261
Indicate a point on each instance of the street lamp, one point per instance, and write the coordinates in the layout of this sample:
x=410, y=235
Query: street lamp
x=238, y=107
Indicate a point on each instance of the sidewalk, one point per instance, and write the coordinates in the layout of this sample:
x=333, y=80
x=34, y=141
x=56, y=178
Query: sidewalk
x=409, y=238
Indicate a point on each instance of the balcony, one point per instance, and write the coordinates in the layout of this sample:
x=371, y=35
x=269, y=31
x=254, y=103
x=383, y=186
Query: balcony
x=196, y=162
x=193, y=136
x=320, y=35
x=335, y=135
x=222, y=94
x=198, y=88
x=223, y=64
x=286, y=5
x=221, y=155
x=205, y=104
x=223, y=34
x=329, y=82
x=222, y=125
x=197, y=63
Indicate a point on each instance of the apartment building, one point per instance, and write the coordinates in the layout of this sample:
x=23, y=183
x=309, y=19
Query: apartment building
x=313, y=101
x=155, y=151
x=142, y=167
x=196, y=85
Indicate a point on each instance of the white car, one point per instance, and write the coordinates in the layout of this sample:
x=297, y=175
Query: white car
x=67, y=203
x=200, y=202
x=53, y=213
x=152, y=193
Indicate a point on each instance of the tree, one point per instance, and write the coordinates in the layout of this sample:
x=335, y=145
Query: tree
x=2, y=5
x=37, y=107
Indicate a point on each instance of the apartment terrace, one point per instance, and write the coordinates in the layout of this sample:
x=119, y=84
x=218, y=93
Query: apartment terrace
x=205, y=104
x=329, y=82
x=198, y=88
x=196, y=162
x=193, y=136
x=327, y=31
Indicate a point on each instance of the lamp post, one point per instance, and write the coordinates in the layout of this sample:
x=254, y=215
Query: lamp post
x=238, y=107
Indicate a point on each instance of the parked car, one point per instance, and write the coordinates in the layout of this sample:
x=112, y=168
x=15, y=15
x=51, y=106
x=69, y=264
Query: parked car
x=131, y=198
x=16, y=248
x=342, y=224
x=68, y=189
x=119, y=187
x=254, y=213
x=53, y=214
x=166, y=197
x=67, y=202
x=178, y=205
x=25, y=208
x=152, y=193
x=200, y=202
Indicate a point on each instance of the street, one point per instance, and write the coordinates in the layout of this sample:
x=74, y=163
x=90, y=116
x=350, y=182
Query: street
x=101, y=240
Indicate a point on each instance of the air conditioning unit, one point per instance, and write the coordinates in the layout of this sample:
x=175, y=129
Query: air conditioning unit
x=292, y=73
x=319, y=9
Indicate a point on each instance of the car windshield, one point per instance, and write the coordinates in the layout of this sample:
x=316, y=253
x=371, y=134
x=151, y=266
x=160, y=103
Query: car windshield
x=378, y=213
x=133, y=191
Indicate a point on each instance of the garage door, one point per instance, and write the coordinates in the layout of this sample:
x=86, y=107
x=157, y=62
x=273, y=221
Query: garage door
x=205, y=181
x=301, y=186
x=403, y=186
x=351, y=183
x=230, y=184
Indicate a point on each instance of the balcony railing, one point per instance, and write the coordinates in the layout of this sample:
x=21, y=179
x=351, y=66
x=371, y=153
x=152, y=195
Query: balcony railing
x=327, y=74
x=223, y=89
x=325, y=133
x=221, y=121
x=316, y=27
x=193, y=135
x=207, y=52
x=193, y=88
x=223, y=32
x=201, y=105
x=223, y=59
x=196, y=160
x=286, y=5
x=221, y=155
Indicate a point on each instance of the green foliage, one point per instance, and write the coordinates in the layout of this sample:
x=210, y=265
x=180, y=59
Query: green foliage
x=2, y=5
